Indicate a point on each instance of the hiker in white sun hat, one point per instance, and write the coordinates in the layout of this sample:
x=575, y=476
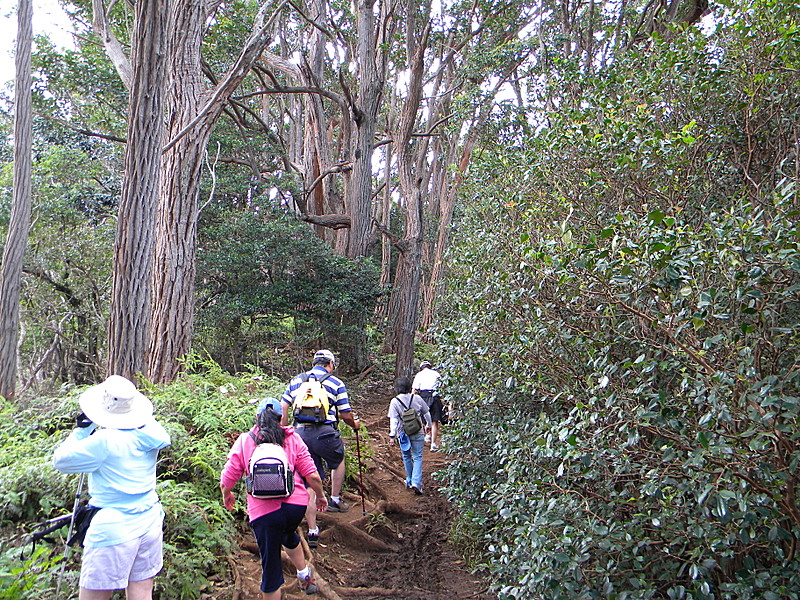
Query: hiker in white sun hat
x=116, y=404
x=123, y=548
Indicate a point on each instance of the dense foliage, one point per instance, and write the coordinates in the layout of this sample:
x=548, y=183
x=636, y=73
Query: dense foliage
x=623, y=326
x=265, y=282
x=620, y=336
x=66, y=274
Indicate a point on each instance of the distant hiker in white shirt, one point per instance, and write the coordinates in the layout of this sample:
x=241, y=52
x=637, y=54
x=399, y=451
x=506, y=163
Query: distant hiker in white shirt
x=426, y=384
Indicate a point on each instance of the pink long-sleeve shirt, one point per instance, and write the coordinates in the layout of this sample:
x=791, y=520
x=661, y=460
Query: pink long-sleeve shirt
x=298, y=457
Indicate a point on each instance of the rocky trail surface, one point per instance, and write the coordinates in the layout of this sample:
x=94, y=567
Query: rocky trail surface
x=396, y=548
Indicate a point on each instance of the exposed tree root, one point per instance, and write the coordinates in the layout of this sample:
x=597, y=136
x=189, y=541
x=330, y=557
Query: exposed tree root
x=306, y=549
x=348, y=535
x=325, y=588
x=362, y=375
x=237, y=578
x=372, y=592
x=373, y=488
x=391, y=469
x=251, y=547
x=380, y=423
x=396, y=509
x=326, y=520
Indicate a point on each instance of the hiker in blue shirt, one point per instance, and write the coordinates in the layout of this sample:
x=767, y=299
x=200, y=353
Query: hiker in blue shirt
x=322, y=438
x=123, y=545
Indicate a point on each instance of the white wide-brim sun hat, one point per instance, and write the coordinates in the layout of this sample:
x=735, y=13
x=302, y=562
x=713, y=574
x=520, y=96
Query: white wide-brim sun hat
x=116, y=404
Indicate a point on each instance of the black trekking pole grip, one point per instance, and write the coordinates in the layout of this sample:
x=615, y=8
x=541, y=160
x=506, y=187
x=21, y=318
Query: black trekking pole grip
x=360, y=477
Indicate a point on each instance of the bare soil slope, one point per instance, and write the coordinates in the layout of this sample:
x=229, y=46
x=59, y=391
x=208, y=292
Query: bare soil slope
x=396, y=548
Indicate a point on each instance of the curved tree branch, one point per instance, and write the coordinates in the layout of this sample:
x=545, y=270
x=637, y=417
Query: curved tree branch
x=111, y=44
x=341, y=168
x=329, y=221
x=254, y=46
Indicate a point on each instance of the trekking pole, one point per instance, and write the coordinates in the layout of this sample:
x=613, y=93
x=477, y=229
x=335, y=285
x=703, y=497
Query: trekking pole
x=69, y=534
x=360, y=477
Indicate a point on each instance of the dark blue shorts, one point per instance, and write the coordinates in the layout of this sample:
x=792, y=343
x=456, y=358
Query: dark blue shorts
x=324, y=444
x=434, y=403
x=273, y=530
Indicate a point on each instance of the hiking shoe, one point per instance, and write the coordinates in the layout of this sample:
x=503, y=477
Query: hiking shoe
x=427, y=438
x=434, y=447
x=313, y=540
x=340, y=506
x=307, y=584
x=417, y=491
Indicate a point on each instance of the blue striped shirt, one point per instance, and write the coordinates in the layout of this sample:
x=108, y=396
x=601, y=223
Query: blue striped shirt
x=337, y=392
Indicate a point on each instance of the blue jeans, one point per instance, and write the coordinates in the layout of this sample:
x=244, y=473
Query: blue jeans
x=412, y=458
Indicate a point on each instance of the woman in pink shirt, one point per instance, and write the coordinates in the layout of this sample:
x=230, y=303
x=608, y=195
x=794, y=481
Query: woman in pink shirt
x=275, y=521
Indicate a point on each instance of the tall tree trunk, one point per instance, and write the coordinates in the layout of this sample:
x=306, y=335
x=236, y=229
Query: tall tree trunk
x=385, y=220
x=190, y=127
x=176, y=226
x=447, y=204
x=407, y=287
x=413, y=181
x=357, y=241
x=129, y=320
x=371, y=78
x=317, y=156
x=19, y=224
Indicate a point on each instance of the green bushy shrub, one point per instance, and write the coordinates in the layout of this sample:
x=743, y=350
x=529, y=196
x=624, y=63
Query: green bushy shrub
x=265, y=281
x=636, y=430
x=623, y=322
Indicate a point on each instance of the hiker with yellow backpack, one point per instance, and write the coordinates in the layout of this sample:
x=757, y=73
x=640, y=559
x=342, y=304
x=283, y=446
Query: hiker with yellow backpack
x=315, y=400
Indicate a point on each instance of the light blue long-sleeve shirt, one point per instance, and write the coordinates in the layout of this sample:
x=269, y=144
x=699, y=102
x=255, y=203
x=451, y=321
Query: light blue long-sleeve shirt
x=121, y=464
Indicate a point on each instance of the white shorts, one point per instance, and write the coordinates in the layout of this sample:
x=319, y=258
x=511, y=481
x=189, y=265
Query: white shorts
x=112, y=567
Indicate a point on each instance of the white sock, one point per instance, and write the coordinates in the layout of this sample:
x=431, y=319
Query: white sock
x=314, y=531
x=304, y=573
x=335, y=499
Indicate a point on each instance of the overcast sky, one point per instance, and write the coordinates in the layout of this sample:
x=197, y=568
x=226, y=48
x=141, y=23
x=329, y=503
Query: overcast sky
x=48, y=18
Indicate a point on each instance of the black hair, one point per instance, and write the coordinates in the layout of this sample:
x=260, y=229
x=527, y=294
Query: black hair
x=402, y=385
x=269, y=428
x=321, y=360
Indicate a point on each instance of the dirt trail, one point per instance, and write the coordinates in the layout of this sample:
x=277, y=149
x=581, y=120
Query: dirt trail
x=398, y=550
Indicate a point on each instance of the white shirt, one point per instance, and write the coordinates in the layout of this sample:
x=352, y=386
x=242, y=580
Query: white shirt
x=426, y=380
